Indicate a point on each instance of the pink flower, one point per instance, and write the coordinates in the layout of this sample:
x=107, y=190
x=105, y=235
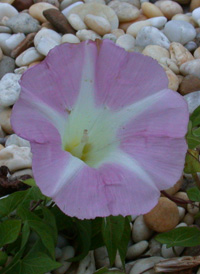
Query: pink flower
x=106, y=133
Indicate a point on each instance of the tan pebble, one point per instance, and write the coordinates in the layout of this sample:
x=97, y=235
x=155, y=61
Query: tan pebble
x=193, y=208
x=125, y=25
x=173, y=79
x=47, y=25
x=1, y=147
x=125, y=11
x=76, y=22
x=186, y=18
x=197, y=53
x=182, y=195
x=169, y=63
x=33, y=64
x=188, y=219
x=169, y=8
x=69, y=38
x=85, y=34
x=180, y=78
x=181, y=211
x=118, y=32
x=156, y=52
x=7, y=1
x=98, y=24
x=5, y=120
x=126, y=41
x=98, y=10
x=1, y=54
x=189, y=84
x=179, y=54
x=172, y=190
x=163, y=217
x=36, y=10
x=150, y=10
x=134, y=28
x=194, y=4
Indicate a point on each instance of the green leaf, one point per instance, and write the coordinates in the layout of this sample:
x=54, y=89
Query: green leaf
x=9, y=231
x=195, y=117
x=112, y=231
x=105, y=270
x=181, y=236
x=96, y=238
x=3, y=257
x=194, y=194
x=29, y=182
x=192, y=164
x=124, y=241
x=50, y=220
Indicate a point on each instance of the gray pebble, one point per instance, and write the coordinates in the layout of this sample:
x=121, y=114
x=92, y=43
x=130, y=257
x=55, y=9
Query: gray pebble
x=7, y=64
x=4, y=29
x=191, y=46
x=24, y=23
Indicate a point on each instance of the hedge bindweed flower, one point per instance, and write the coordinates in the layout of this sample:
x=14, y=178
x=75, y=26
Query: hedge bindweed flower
x=106, y=133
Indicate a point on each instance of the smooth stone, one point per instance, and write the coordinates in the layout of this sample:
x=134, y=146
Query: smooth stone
x=158, y=22
x=58, y=21
x=76, y=22
x=20, y=70
x=117, y=32
x=125, y=25
x=191, y=68
x=163, y=217
x=193, y=209
x=179, y=31
x=7, y=64
x=55, y=3
x=179, y=54
x=3, y=46
x=196, y=14
x=151, y=36
x=87, y=265
x=125, y=11
x=172, y=78
x=13, y=139
x=14, y=40
x=45, y=40
x=95, y=9
x=134, y=28
x=190, y=83
x=24, y=23
x=175, y=188
x=65, y=3
x=145, y=264
x=191, y=46
x=150, y=10
x=140, y=231
x=1, y=54
x=85, y=34
x=110, y=36
x=170, y=64
x=9, y=89
x=197, y=53
x=5, y=114
x=136, y=250
x=154, y=248
x=184, y=17
x=70, y=38
x=4, y=29
x=67, y=10
x=126, y=42
x=28, y=56
x=169, y=8
x=16, y=158
x=101, y=257
x=36, y=10
x=182, y=195
x=188, y=219
x=20, y=173
x=169, y=252
x=24, y=45
x=194, y=4
x=6, y=10
x=21, y=5
x=98, y=24
x=67, y=253
x=95, y=1
x=156, y=52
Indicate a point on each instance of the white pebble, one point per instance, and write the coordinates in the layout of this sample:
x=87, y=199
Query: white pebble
x=85, y=34
x=67, y=253
x=158, y=22
x=196, y=14
x=110, y=36
x=181, y=211
x=70, y=38
x=28, y=56
x=13, y=139
x=169, y=252
x=7, y=10
x=3, y=46
x=193, y=100
x=87, y=265
x=68, y=9
x=98, y=24
x=191, y=68
x=14, y=40
x=145, y=264
x=136, y=250
x=76, y=22
x=65, y=3
x=140, y=230
x=193, y=209
x=126, y=41
x=188, y=219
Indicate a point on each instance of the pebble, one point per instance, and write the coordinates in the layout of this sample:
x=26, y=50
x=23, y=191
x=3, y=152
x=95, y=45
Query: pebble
x=117, y=32
x=193, y=209
x=98, y=24
x=145, y=264
x=191, y=46
x=169, y=64
x=126, y=41
x=87, y=265
x=13, y=139
x=14, y=40
x=3, y=46
x=65, y=3
x=172, y=190
x=182, y=195
x=15, y=157
x=151, y=36
x=188, y=219
x=7, y=64
x=197, y=53
x=58, y=21
x=20, y=173
x=172, y=78
x=67, y=253
x=169, y=8
x=69, y=38
x=194, y=4
x=156, y=52
x=45, y=40
x=36, y=10
x=25, y=44
x=189, y=84
x=24, y=23
x=158, y=22
x=101, y=257
x=136, y=250
x=21, y=5
x=134, y=28
x=184, y=17
x=150, y=10
x=55, y=3
x=181, y=211
x=140, y=231
x=7, y=10
x=196, y=14
x=191, y=68
x=67, y=11
x=28, y=56
x=5, y=114
x=179, y=54
x=58, y=253
x=163, y=217
x=76, y=22
x=179, y=31
x=110, y=36
x=85, y=34
x=154, y=248
x=171, y=252
x=4, y=29
x=9, y=89
x=125, y=11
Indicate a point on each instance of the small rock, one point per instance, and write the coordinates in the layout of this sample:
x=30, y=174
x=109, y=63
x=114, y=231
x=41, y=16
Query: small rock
x=6, y=10
x=169, y=8
x=197, y=53
x=3, y=46
x=134, y=28
x=193, y=209
x=55, y=3
x=20, y=173
x=140, y=231
x=150, y=10
x=76, y=22
x=179, y=54
x=15, y=157
x=191, y=68
x=87, y=265
x=117, y=32
x=16, y=140
x=163, y=217
x=36, y=10
x=169, y=252
x=20, y=70
x=69, y=38
x=156, y=52
x=154, y=248
x=67, y=253
x=186, y=18
x=21, y=5
x=179, y=31
x=173, y=79
x=181, y=211
x=136, y=250
x=25, y=44
x=151, y=36
x=7, y=64
x=157, y=22
x=4, y=29
x=67, y=11
x=188, y=219
x=145, y=264
x=101, y=257
x=58, y=253
x=110, y=36
x=9, y=89
x=172, y=190
x=97, y=23
x=196, y=14
x=14, y=40
x=28, y=56
x=194, y=4
x=189, y=84
x=183, y=196
x=5, y=114
x=45, y=40
x=65, y=3
x=24, y=23
x=85, y=34
x=191, y=46
x=126, y=41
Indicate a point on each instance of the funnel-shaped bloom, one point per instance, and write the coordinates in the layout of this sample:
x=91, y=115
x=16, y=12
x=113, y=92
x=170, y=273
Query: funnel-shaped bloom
x=106, y=133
